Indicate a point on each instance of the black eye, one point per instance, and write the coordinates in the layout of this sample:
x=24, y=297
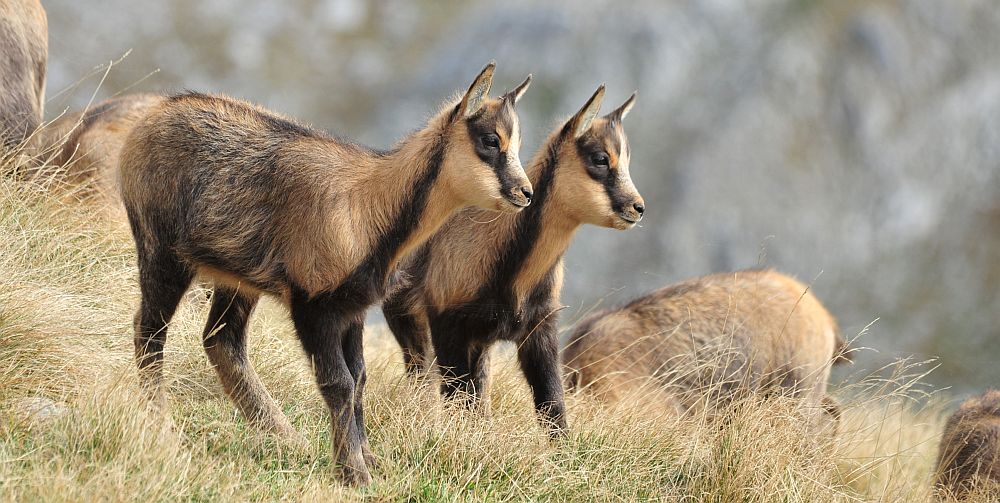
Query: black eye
x=490, y=140
x=599, y=159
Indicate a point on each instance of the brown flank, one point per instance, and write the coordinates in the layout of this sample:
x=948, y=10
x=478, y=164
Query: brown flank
x=702, y=341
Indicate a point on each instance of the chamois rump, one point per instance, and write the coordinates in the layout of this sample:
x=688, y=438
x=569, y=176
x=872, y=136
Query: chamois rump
x=969, y=456
x=706, y=340
x=260, y=204
x=24, y=51
x=485, y=277
x=84, y=148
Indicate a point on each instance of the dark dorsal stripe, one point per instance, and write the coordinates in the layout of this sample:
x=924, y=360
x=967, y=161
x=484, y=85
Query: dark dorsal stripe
x=368, y=282
x=525, y=235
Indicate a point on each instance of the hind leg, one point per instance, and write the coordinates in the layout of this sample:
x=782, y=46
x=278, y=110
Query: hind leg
x=410, y=330
x=225, y=343
x=163, y=279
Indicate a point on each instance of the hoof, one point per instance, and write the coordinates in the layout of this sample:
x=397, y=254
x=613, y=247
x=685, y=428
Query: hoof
x=354, y=471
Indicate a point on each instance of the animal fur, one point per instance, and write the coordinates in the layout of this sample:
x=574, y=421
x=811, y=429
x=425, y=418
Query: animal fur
x=258, y=203
x=705, y=339
x=24, y=48
x=969, y=456
x=486, y=277
x=85, y=146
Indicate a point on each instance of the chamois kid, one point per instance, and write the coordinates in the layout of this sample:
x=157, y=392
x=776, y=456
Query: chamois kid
x=259, y=204
x=24, y=51
x=485, y=277
x=705, y=340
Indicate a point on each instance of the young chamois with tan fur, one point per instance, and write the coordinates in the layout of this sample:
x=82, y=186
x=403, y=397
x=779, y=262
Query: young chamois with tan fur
x=24, y=52
x=485, y=277
x=969, y=456
x=260, y=204
x=82, y=148
x=703, y=341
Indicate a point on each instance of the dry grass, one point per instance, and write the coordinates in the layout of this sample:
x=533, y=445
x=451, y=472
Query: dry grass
x=67, y=294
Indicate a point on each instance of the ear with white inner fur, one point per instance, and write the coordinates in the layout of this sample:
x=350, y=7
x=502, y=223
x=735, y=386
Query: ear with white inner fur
x=480, y=88
x=519, y=90
x=619, y=113
x=582, y=120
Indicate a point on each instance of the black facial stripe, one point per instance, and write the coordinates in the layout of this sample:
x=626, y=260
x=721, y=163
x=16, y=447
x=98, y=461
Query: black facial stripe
x=484, y=123
x=613, y=189
x=610, y=179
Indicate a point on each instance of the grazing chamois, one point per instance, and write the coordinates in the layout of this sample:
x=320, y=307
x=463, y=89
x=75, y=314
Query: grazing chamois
x=24, y=51
x=485, y=277
x=84, y=146
x=704, y=340
x=969, y=456
x=258, y=203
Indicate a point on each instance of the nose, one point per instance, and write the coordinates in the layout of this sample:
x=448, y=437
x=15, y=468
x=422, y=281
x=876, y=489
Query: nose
x=527, y=193
x=639, y=208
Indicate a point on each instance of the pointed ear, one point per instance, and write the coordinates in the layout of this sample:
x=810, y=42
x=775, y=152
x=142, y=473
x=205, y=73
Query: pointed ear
x=581, y=121
x=519, y=90
x=476, y=95
x=619, y=113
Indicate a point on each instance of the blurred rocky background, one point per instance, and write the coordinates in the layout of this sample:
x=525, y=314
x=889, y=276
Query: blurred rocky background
x=852, y=143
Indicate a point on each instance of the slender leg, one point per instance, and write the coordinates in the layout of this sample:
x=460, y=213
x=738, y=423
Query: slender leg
x=225, y=343
x=453, y=363
x=162, y=280
x=322, y=329
x=354, y=354
x=539, y=358
x=410, y=330
x=479, y=370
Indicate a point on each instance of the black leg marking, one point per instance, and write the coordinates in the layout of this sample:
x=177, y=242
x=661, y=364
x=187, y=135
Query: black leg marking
x=324, y=332
x=539, y=358
x=163, y=279
x=410, y=331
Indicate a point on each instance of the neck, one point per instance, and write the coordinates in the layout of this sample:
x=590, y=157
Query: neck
x=399, y=203
x=543, y=231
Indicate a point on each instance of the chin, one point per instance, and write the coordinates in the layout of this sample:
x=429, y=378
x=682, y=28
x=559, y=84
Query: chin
x=508, y=206
x=622, y=224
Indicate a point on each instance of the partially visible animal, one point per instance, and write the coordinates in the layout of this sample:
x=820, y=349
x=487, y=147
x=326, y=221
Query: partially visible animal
x=485, y=277
x=969, y=456
x=707, y=340
x=81, y=149
x=260, y=204
x=24, y=50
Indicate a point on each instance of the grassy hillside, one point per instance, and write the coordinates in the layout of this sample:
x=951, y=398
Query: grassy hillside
x=67, y=295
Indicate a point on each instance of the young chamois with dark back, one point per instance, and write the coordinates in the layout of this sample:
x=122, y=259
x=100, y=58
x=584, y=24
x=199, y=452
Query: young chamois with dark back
x=486, y=277
x=260, y=204
x=24, y=53
x=707, y=340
